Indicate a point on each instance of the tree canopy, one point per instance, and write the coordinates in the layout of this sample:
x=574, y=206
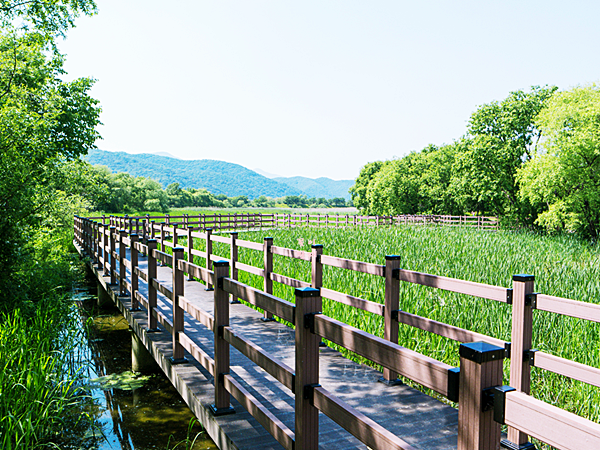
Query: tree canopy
x=45, y=123
x=563, y=179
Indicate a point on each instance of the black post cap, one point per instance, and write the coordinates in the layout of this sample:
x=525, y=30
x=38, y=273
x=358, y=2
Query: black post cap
x=268, y=239
x=307, y=292
x=392, y=257
x=523, y=277
x=221, y=263
x=208, y=229
x=317, y=246
x=481, y=352
x=151, y=241
x=178, y=249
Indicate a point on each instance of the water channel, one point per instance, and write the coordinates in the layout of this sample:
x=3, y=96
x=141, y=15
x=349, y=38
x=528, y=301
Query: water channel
x=129, y=411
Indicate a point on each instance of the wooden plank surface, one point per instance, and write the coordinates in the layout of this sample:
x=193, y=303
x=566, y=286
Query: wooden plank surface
x=419, y=420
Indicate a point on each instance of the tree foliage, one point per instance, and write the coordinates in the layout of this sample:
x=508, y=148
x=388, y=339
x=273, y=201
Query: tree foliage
x=476, y=173
x=563, y=180
x=45, y=123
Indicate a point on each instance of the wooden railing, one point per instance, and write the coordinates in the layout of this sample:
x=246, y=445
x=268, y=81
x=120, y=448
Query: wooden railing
x=484, y=403
x=240, y=221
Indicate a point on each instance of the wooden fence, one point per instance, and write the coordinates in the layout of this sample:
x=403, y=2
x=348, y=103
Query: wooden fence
x=484, y=404
x=239, y=221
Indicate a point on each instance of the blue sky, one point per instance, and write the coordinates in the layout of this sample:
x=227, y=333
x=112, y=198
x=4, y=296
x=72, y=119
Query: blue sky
x=318, y=88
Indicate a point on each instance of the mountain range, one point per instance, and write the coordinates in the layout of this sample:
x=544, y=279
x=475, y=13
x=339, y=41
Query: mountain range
x=218, y=177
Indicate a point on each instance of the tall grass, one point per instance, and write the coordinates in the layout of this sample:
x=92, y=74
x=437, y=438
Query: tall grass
x=39, y=394
x=563, y=265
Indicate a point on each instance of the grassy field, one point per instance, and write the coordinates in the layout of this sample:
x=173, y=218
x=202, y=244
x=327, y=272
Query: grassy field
x=563, y=265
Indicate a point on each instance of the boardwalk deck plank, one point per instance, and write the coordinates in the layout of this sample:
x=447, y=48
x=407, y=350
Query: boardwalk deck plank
x=420, y=420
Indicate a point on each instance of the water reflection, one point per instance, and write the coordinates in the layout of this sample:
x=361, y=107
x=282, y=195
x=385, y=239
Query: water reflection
x=132, y=415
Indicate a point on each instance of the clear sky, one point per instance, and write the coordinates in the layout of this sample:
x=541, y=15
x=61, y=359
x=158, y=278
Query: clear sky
x=318, y=88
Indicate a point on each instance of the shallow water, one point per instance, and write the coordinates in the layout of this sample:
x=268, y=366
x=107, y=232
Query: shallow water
x=130, y=411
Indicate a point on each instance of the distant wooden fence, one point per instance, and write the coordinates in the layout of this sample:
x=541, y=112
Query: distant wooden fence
x=484, y=403
x=238, y=221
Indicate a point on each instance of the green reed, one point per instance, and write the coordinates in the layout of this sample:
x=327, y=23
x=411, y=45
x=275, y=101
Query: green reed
x=563, y=265
x=39, y=371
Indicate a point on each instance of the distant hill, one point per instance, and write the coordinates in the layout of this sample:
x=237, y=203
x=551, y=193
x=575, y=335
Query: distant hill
x=319, y=187
x=218, y=177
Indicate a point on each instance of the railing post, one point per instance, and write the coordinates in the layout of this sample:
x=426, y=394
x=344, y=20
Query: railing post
x=175, y=238
x=316, y=266
x=221, y=320
x=267, y=282
x=178, y=322
x=105, y=256
x=152, y=321
x=480, y=370
x=122, y=271
x=134, y=276
x=152, y=229
x=520, y=349
x=233, y=256
x=162, y=237
x=190, y=248
x=94, y=241
x=137, y=226
x=209, y=263
x=308, y=303
x=113, y=260
x=392, y=303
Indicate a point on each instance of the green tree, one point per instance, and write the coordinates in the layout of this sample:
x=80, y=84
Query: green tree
x=501, y=136
x=44, y=123
x=358, y=191
x=564, y=178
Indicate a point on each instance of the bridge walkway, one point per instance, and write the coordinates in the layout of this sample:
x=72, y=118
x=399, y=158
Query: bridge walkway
x=417, y=418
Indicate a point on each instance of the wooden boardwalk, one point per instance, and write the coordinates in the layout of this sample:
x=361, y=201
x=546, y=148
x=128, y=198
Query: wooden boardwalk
x=418, y=419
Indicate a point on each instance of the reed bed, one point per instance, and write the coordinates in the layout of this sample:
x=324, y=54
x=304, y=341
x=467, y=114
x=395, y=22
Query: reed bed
x=563, y=265
x=39, y=372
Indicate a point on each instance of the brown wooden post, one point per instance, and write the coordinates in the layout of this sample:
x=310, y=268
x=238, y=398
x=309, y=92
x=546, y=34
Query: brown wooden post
x=209, y=264
x=94, y=237
x=122, y=272
x=221, y=346
x=190, y=248
x=152, y=230
x=308, y=301
x=134, y=277
x=267, y=282
x=162, y=237
x=175, y=239
x=113, y=259
x=152, y=321
x=233, y=256
x=167, y=219
x=144, y=232
x=137, y=226
x=480, y=369
x=178, y=322
x=105, y=253
x=392, y=303
x=317, y=267
x=520, y=349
